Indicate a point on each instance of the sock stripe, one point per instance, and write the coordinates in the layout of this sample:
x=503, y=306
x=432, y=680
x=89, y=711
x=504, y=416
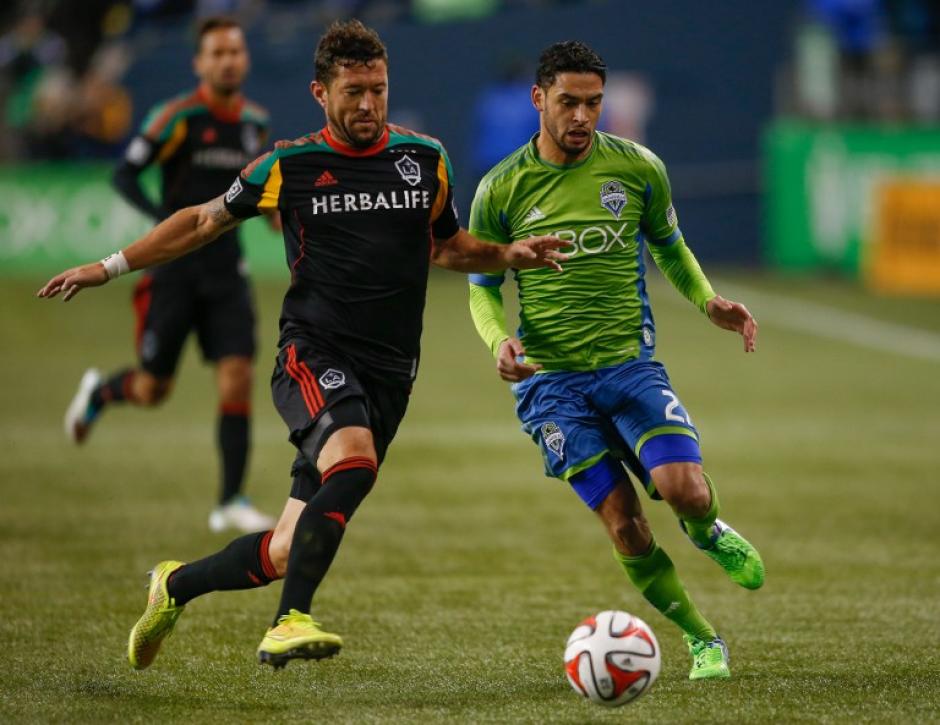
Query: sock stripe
x=264, y=556
x=126, y=383
x=242, y=409
x=348, y=463
x=336, y=516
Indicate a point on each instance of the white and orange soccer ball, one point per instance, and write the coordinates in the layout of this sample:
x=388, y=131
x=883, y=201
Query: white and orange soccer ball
x=612, y=658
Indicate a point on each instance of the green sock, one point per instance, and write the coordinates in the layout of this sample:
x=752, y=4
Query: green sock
x=701, y=530
x=655, y=576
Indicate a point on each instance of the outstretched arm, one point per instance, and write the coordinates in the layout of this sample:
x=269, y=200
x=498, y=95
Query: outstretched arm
x=185, y=231
x=465, y=253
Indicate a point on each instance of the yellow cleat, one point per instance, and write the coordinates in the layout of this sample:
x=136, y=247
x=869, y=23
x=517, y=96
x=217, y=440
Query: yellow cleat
x=297, y=636
x=158, y=619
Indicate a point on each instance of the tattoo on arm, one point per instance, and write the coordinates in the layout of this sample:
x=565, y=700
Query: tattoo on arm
x=219, y=215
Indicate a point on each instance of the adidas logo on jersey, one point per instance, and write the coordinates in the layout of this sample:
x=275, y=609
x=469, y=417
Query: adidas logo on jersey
x=535, y=214
x=326, y=179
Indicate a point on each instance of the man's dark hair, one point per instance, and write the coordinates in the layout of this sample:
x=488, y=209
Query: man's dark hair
x=569, y=56
x=347, y=43
x=217, y=22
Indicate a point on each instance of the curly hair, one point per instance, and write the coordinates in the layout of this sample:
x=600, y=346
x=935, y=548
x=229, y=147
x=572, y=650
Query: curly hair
x=569, y=56
x=347, y=43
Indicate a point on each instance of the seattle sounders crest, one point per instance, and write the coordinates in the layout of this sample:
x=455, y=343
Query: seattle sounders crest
x=613, y=197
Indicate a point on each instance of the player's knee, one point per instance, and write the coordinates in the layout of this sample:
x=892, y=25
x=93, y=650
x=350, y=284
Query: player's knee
x=687, y=492
x=279, y=551
x=150, y=391
x=632, y=535
x=234, y=380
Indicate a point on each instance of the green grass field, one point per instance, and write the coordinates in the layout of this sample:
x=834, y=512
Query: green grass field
x=465, y=571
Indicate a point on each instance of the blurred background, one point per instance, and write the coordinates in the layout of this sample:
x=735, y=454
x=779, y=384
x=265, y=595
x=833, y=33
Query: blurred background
x=799, y=134
x=803, y=142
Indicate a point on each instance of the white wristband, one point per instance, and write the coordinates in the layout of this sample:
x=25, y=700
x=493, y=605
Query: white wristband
x=115, y=265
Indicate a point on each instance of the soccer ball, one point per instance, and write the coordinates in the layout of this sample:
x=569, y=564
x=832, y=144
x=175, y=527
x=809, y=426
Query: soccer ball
x=612, y=658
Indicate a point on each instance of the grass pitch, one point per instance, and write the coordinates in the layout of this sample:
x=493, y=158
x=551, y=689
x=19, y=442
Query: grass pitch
x=464, y=572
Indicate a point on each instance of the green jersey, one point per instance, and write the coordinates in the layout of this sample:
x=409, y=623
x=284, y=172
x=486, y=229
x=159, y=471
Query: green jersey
x=608, y=207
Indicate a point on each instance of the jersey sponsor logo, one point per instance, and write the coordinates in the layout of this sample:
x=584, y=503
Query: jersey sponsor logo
x=592, y=240
x=326, y=179
x=365, y=201
x=220, y=158
x=613, y=197
x=554, y=439
x=332, y=379
x=251, y=140
x=234, y=190
x=535, y=214
x=671, y=216
x=409, y=169
x=138, y=152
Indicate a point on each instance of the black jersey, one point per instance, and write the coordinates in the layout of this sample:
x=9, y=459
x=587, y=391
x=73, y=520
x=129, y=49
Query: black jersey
x=358, y=226
x=198, y=147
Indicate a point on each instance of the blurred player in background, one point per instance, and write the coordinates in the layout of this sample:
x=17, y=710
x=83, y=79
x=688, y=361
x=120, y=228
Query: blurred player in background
x=587, y=388
x=366, y=207
x=199, y=139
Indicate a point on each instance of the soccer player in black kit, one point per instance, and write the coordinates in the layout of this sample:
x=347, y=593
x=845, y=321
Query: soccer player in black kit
x=199, y=139
x=365, y=208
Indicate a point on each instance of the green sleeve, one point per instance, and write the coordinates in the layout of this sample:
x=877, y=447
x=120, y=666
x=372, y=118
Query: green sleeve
x=658, y=222
x=680, y=267
x=487, y=221
x=489, y=316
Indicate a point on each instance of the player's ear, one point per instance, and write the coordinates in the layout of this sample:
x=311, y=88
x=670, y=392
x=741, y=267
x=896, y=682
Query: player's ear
x=538, y=98
x=319, y=92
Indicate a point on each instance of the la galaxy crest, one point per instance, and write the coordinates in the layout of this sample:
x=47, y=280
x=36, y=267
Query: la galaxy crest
x=613, y=197
x=409, y=169
x=554, y=439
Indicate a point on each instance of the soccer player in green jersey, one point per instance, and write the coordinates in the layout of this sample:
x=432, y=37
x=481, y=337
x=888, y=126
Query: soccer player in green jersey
x=587, y=388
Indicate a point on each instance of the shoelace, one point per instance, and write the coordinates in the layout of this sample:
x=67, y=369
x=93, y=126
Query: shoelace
x=706, y=653
x=734, y=546
x=296, y=617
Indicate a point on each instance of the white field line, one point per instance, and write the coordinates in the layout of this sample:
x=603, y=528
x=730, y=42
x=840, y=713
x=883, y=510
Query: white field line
x=831, y=323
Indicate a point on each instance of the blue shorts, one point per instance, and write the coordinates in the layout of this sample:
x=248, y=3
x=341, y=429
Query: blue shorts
x=581, y=421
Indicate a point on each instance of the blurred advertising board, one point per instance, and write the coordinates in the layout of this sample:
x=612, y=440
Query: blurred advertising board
x=904, y=256
x=56, y=215
x=822, y=187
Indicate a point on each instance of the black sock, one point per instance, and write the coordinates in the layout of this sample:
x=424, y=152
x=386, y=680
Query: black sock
x=243, y=564
x=234, y=441
x=115, y=389
x=320, y=530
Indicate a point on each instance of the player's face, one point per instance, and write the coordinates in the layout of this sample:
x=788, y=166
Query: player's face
x=355, y=102
x=222, y=60
x=569, y=110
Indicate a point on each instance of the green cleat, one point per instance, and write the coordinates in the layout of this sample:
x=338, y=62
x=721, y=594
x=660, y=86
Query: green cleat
x=735, y=555
x=709, y=658
x=158, y=619
x=297, y=636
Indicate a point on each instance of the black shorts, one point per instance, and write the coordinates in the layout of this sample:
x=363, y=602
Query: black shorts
x=168, y=307
x=317, y=392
